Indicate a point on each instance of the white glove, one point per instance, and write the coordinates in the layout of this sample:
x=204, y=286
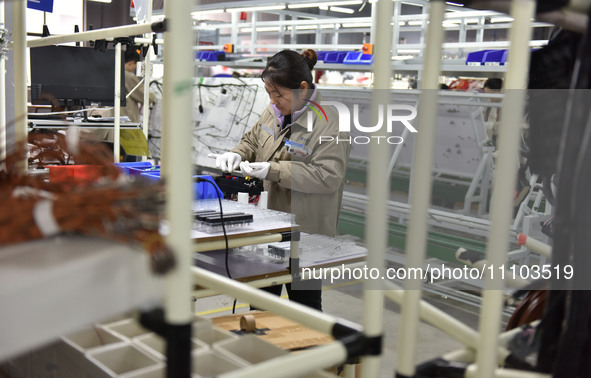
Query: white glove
x=258, y=170
x=228, y=161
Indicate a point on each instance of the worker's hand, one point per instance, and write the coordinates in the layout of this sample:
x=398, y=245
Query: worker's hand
x=258, y=170
x=227, y=162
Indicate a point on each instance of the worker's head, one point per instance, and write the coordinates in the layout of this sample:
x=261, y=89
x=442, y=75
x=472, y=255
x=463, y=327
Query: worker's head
x=132, y=56
x=287, y=70
x=493, y=85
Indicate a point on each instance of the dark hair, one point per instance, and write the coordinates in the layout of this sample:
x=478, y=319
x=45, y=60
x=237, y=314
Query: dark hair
x=131, y=54
x=288, y=69
x=493, y=83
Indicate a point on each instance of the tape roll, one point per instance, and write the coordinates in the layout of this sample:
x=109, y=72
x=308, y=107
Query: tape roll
x=248, y=323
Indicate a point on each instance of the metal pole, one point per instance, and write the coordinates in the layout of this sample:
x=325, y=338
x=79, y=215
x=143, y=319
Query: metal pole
x=147, y=78
x=117, y=105
x=92, y=35
x=437, y=318
x=416, y=239
x=253, y=34
x=396, y=27
x=2, y=98
x=378, y=188
x=506, y=172
x=289, y=309
x=374, y=23
x=234, y=36
x=178, y=170
x=19, y=33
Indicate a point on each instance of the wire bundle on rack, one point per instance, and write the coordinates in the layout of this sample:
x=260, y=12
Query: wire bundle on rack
x=117, y=207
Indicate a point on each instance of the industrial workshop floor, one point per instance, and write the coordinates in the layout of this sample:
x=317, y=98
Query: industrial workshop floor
x=346, y=301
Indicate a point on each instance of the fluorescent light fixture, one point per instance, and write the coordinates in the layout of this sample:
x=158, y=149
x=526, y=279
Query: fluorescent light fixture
x=253, y=9
x=323, y=7
x=327, y=4
x=402, y=57
x=101, y=1
x=401, y=23
x=342, y=10
x=312, y=27
x=213, y=11
x=261, y=29
x=448, y=24
x=415, y=23
x=501, y=19
x=455, y=4
x=409, y=51
x=357, y=25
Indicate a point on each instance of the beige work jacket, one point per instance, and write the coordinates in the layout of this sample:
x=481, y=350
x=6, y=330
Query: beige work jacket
x=309, y=186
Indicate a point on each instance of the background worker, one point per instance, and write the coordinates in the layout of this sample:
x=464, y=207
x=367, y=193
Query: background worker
x=303, y=175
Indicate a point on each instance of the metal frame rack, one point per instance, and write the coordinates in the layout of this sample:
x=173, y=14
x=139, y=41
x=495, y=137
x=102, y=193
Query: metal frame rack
x=482, y=347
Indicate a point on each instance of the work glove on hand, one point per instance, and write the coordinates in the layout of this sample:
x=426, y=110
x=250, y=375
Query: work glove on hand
x=258, y=170
x=227, y=162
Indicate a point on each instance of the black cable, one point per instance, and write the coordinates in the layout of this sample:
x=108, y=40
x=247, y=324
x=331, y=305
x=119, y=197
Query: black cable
x=227, y=252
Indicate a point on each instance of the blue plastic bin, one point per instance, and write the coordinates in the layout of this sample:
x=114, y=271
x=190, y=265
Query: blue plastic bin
x=205, y=190
x=358, y=57
x=140, y=170
x=321, y=55
x=201, y=190
x=495, y=58
x=125, y=167
x=335, y=56
x=476, y=58
x=211, y=56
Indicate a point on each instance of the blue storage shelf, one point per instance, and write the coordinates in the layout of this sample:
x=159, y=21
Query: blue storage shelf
x=358, y=57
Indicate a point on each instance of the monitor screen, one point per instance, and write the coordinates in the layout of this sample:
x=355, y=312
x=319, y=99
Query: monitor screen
x=74, y=76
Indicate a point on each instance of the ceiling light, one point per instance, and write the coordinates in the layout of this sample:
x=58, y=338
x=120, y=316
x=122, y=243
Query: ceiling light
x=357, y=25
x=342, y=10
x=415, y=23
x=252, y=9
x=101, y=1
x=328, y=4
x=455, y=4
x=501, y=19
x=213, y=11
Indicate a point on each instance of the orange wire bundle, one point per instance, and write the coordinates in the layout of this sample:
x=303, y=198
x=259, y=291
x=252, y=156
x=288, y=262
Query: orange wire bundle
x=117, y=207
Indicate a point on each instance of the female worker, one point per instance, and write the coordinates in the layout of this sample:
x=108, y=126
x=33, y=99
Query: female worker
x=303, y=171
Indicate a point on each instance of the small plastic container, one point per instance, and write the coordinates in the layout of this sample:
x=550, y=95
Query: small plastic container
x=495, y=58
x=358, y=57
x=211, y=363
x=122, y=359
x=476, y=58
x=156, y=345
x=81, y=173
x=125, y=167
x=249, y=348
x=213, y=335
x=335, y=56
x=126, y=329
x=89, y=338
x=155, y=372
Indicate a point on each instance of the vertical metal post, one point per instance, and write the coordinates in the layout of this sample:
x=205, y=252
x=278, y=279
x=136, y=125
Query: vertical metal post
x=282, y=29
x=177, y=120
x=378, y=188
x=506, y=172
x=416, y=239
x=253, y=34
x=293, y=36
x=480, y=31
x=2, y=97
x=396, y=27
x=234, y=36
x=117, y=105
x=19, y=34
x=374, y=21
x=462, y=35
x=147, y=77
